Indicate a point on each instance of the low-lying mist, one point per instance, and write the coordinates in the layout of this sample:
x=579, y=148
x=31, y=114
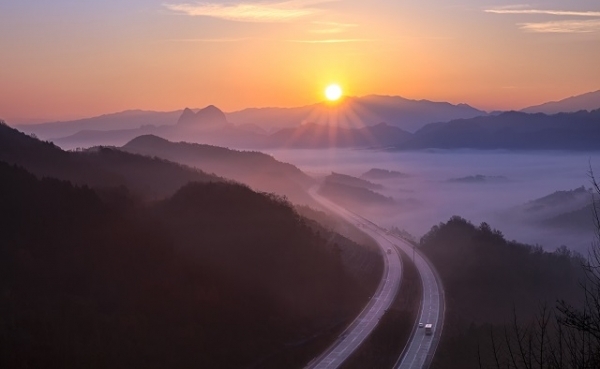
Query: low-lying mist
x=481, y=186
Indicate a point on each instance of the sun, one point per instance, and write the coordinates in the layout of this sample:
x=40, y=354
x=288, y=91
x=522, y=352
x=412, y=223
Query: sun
x=333, y=92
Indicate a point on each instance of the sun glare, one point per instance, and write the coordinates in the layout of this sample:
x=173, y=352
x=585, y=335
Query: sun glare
x=333, y=92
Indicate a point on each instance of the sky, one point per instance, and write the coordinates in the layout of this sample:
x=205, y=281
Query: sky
x=67, y=59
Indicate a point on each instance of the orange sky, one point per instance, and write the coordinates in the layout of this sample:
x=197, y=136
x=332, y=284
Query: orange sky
x=64, y=59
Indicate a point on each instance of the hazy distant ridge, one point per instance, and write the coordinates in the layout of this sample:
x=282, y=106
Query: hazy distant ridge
x=397, y=111
x=513, y=130
x=588, y=101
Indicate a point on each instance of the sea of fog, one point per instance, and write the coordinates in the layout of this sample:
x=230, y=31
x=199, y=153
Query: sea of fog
x=526, y=176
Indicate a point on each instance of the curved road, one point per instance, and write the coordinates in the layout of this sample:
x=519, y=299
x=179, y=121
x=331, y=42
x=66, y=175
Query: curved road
x=420, y=348
x=367, y=320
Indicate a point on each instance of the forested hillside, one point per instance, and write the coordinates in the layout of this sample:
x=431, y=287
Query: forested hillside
x=489, y=280
x=214, y=276
x=101, y=167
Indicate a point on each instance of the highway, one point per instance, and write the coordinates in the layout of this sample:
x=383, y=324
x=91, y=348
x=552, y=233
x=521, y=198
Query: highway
x=419, y=351
x=367, y=320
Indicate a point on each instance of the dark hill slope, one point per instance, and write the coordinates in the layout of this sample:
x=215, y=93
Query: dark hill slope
x=260, y=171
x=513, y=130
x=100, y=167
x=488, y=278
x=89, y=284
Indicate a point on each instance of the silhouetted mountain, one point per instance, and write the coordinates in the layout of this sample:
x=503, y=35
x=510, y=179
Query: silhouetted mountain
x=131, y=119
x=89, y=138
x=258, y=170
x=478, y=178
x=312, y=135
x=347, y=180
x=208, y=125
x=513, y=130
x=581, y=219
x=409, y=115
x=377, y=173
x=588, y=101
x=187, y=116
x=572, y=199
x=99, y=167
x=211, y=116
x=560, y=209
x=217, y=276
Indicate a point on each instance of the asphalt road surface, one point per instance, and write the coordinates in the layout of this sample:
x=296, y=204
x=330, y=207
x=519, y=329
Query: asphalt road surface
x=421, y=347
x=367, y=320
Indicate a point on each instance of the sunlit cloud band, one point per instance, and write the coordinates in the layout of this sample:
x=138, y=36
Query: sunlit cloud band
x=333, y=41
x=568, y=13
x=281, y=11
x=566, y=26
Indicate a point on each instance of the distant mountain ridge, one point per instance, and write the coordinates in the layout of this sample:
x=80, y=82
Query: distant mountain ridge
x=352, y=112
x=365, y=122
x=588, y=101
x=513, y=130
x=357, y=112
x=210, y=116
x=129, y=119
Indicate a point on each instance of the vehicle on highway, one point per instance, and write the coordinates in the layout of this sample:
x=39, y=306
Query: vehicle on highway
x=421, y=325
x=428, y=329
x=389, y=251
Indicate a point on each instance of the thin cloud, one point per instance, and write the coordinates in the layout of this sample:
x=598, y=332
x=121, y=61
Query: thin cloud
x=561, y=26
x=333, y=41
x=209, y=40
x=566, y=26
x=568, y=13
x=281, y=11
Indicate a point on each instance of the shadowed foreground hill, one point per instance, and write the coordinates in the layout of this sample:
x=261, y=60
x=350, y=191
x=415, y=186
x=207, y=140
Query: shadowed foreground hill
x=99, y=167
x=216, y=276
x=486, y=278
x=260, y=171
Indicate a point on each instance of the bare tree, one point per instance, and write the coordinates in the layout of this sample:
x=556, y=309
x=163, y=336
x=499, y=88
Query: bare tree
x=568, y=338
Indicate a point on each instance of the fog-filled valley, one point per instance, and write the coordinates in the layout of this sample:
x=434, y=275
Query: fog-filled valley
x=481, y=186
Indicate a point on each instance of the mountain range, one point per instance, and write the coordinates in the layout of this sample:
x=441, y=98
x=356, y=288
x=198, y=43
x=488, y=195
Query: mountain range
x=588, y=101
x=352, y=112
x=357, y=112
x=365, y=122
x=513, y=130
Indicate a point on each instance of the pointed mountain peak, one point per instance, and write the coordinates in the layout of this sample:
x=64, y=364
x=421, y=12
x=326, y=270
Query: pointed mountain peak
x=210, y=115
x=187, y=116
